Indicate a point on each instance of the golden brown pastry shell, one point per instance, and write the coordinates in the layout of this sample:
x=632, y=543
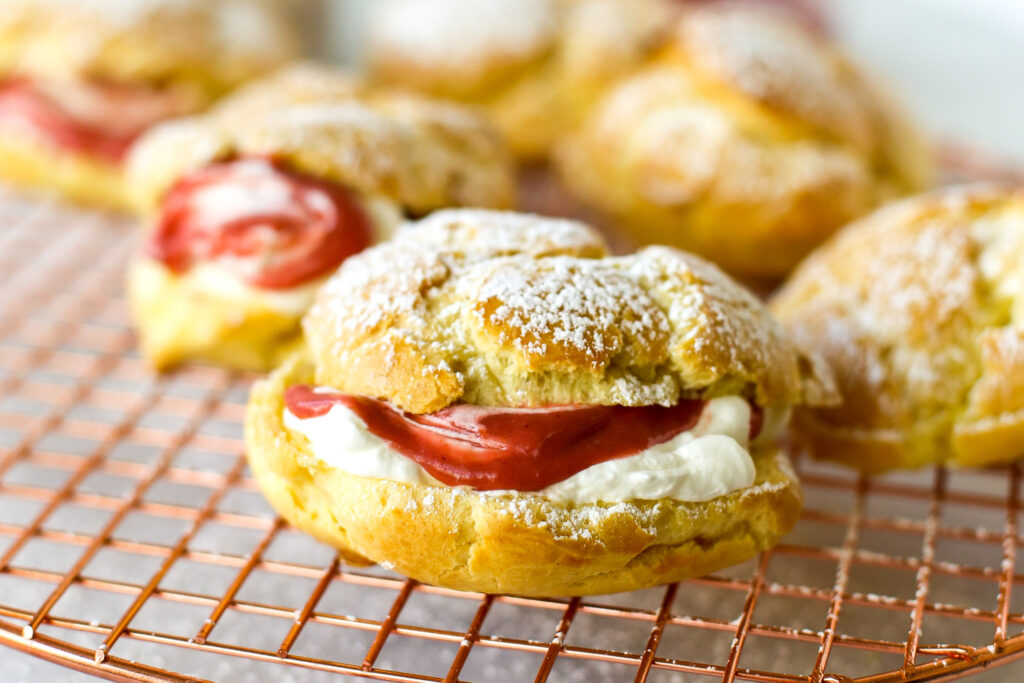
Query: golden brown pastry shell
x=918, y=309
x=536, y=88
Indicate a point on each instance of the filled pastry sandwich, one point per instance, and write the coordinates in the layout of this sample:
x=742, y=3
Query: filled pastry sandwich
x=919, y=308
x=535, y=65
x=748, y=139
x=81, y=79
x=491, y=402
x=255, y=204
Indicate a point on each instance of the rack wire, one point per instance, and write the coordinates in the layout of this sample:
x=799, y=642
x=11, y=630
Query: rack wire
x=135, y=545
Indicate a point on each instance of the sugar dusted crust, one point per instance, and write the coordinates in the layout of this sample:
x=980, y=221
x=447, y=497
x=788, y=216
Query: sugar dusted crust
x=535, y=65
x=452, y=47
x=300, y=82
x=519, y=544
x=779, y=64
x=746, y=140
x=209, y=45
x=494, y=308
x=423, y=154
x=919, y=308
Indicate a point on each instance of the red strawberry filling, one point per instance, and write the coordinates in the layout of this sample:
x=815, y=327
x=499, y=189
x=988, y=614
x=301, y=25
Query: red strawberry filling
x=521, y=449
x=275, y=227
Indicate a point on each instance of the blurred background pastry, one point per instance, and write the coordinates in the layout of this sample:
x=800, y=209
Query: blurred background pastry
x=536, y=66
x=81, y=79
x=257, y=202
x=748, y=139
x=919, y=309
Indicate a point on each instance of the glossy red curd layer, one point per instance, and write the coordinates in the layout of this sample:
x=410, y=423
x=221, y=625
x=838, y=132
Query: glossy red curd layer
x=287, y=227
x=24, y=107
x=520, y=449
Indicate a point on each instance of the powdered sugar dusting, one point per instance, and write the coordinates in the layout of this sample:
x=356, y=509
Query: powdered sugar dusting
x=564, y=304
x=709, y=313
x=777, y=62
x=937, y=292
x=580, y=522
x=457, y=33
x=243, y=25
x=334, y=116
x=384, y=283
x=542, y=297
x=297, y=83
x=676, y=147
x=479, y=233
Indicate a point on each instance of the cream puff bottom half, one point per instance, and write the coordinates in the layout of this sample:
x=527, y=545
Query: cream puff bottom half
x=177, y=320
x=69, y=174
x=522, y=544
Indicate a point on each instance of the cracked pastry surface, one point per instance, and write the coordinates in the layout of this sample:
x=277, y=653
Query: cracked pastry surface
x=747, y=139
x=483, y=308
x=919, y=308
x=511, y=309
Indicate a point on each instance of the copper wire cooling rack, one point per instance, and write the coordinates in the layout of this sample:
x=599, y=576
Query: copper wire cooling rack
x=134, y=544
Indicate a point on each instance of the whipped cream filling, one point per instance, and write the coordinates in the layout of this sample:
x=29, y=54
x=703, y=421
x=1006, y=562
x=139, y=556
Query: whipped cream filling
x=225, y=278
x=705, y=462
x=226, y=284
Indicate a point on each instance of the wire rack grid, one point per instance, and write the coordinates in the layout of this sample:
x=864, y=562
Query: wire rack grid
x=135, y=545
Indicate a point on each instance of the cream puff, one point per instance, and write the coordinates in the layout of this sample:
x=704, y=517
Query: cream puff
x=748, y=140
x=80, y=80
x=919, y=308
x=534, y=65
x=254, y=206
x=490, y=402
